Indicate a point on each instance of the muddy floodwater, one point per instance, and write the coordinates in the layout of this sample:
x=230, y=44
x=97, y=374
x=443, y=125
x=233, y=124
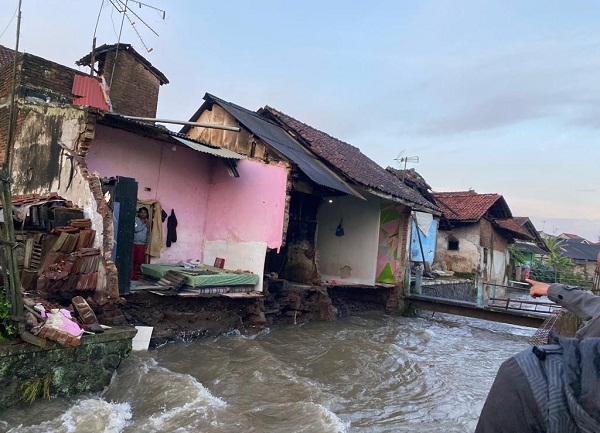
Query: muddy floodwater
x=369, y=373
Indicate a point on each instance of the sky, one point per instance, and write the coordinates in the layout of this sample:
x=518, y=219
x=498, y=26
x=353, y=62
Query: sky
x=495, y=96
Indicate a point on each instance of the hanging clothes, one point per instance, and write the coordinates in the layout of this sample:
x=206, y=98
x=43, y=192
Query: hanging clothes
x=171, y=228
x=155, y=241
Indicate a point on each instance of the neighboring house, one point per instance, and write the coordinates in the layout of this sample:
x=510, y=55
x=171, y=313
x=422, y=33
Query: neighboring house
x=530, y=249
x=475, y=231
x=583, y=255
x=378, y=227
x=574, y=238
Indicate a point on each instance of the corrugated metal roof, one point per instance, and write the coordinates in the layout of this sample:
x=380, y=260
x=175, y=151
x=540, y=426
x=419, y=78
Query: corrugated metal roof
x=88, y=92
x=164, y=134
x=283, y=143
x=575, y=250
x=220, y=152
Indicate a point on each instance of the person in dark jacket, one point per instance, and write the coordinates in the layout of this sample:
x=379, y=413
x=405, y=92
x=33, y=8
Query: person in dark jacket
x=553, y=388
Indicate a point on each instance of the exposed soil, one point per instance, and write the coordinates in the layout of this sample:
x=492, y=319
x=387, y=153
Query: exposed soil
x=187, y=318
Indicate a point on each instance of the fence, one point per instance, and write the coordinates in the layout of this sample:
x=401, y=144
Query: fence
x=566, y=277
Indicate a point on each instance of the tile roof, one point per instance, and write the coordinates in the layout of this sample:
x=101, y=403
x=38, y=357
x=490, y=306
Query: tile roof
x=521, y=220
x=283, y=143
x=352, y=162
x=6, y=55
x=103, y=49
x=516, y=230
x=469, y=205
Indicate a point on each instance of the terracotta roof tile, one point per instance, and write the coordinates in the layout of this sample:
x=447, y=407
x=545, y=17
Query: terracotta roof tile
x=351, y=161
x=465, y=205
x=511, y=225
x=6, y=55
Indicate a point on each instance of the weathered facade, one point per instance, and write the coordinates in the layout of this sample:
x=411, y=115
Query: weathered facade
x=474, y=234
x=360, y=240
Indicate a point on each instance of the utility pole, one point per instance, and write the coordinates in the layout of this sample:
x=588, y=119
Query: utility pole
x=12, y=281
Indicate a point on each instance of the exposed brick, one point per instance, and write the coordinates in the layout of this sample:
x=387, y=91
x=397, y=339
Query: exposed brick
x=134, y=89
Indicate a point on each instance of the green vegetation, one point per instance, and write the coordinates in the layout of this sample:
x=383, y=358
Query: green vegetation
x=556, y=268
x=32, y=389
x=7, y=327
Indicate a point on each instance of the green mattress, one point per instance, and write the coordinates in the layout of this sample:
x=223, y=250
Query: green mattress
x=202, y=276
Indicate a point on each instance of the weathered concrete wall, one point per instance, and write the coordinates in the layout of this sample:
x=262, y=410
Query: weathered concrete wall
x=494, y=255
x=351, y=258
x=468, y=256
x=49, y=144
x=74, y=370
x=457, y=289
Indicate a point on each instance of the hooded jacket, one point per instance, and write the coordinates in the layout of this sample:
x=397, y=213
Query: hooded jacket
x=553, y=388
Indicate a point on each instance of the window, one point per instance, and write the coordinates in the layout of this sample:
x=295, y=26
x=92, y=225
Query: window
x=453, y=244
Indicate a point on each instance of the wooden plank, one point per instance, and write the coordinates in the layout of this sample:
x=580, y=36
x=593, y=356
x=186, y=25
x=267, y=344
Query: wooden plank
x=251, y=295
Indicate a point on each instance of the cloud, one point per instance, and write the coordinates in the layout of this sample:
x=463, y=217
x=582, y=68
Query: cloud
x=555, y=81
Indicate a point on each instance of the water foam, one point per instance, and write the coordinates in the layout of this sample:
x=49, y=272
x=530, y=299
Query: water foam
x=88, y=415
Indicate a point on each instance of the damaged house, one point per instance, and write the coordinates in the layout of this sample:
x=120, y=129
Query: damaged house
x=208, y=205
x=347, y=218
x=374, y=246
x=474, y=234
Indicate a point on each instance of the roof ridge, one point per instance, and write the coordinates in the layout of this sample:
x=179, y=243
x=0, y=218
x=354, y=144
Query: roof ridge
x=253, y=113
x=311, y=127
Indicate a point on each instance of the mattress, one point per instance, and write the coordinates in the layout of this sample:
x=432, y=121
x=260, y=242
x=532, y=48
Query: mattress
x=202, y=276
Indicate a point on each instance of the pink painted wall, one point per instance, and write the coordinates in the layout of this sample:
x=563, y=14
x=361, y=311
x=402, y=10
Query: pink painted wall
x=249, y=208
x=179, y=179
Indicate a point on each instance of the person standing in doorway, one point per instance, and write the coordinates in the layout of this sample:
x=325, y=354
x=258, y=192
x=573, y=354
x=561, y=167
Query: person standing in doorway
x=140, y=237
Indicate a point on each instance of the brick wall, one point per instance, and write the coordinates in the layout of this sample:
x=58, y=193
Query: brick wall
x=134, y=89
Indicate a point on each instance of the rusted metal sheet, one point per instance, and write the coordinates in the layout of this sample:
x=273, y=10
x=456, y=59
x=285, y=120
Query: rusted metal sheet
x=88, y=92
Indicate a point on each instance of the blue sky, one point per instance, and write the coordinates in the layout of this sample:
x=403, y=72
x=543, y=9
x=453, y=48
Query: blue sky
x=498, y=96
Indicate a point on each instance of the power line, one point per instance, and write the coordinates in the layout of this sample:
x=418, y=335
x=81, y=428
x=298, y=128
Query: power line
x=10, y=22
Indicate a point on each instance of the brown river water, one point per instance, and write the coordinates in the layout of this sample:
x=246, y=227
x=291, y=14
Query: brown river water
x=369, y=373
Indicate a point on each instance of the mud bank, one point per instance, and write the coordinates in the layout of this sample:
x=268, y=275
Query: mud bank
x=176, y=318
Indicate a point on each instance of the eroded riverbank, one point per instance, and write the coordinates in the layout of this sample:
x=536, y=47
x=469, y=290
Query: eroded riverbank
x=368, y=373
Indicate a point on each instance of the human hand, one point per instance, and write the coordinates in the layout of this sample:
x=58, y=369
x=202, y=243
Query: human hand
x=537, y=289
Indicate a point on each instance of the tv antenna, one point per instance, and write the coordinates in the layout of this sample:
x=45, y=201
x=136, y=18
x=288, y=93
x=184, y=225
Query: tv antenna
x=401, y=159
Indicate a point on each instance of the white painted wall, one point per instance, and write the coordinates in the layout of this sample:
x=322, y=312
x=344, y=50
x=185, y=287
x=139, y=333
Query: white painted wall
x=245, y=256
x=357, y=249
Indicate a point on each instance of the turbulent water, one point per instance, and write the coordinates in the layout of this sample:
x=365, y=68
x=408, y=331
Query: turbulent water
x=370, y=373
